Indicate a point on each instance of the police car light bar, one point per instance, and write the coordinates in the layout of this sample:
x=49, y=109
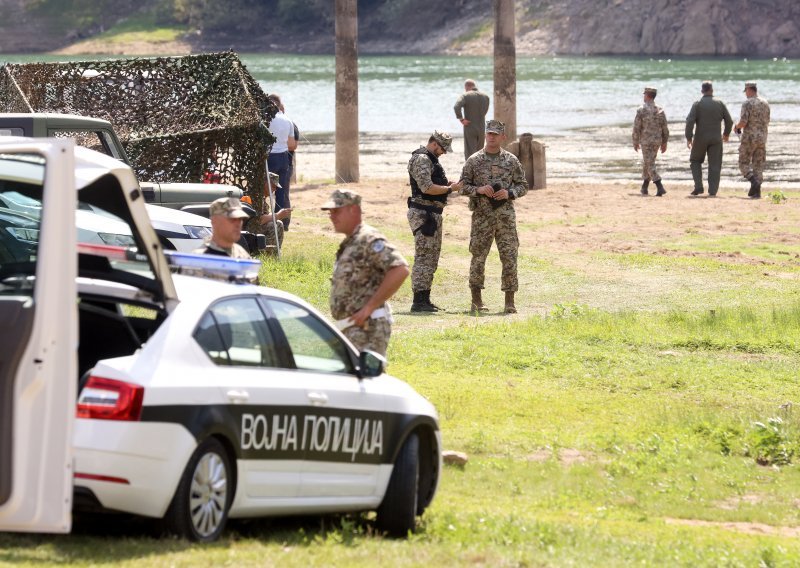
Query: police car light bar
x=213, y=266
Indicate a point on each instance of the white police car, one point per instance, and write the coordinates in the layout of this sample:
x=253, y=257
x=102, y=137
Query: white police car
x=199, y=400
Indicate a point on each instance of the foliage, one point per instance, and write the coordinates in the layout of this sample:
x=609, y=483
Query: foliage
x=771, y=443
x=777, y=197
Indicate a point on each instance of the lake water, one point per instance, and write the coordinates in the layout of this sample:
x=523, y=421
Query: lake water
x=581, y=107
x=554, y=94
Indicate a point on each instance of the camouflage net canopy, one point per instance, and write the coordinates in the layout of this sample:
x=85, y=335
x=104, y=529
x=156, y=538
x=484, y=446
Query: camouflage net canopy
x=181, y=119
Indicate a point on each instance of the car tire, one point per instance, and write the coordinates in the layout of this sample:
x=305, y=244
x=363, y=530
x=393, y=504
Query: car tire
x=398, y=510
x=199, y=508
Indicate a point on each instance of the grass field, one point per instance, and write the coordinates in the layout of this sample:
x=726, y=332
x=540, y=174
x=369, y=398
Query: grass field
x=642, y=409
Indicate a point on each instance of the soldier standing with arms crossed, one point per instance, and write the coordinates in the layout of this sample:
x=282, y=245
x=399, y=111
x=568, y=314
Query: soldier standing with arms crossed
x=475, y=105
x=493, y=178
x=429, y=191
x=753, y=125
x=703, y=137
x=367, y=272
x=650, y=131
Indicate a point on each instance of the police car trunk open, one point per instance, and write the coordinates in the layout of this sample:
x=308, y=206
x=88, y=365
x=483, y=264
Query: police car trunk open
x=198, y=400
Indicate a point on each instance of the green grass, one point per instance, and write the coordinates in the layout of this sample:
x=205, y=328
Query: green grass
x=637, y=396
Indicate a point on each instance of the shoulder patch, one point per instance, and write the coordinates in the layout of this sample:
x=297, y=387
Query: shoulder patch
x=378, y=245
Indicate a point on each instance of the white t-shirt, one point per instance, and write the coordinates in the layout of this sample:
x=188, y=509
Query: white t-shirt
x=281, y=128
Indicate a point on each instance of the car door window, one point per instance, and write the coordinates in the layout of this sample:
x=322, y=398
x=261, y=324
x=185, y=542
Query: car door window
x=315, y=346
x=235, y=332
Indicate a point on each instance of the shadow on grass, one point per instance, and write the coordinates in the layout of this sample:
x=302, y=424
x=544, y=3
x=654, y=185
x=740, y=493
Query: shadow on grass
x=102, y=539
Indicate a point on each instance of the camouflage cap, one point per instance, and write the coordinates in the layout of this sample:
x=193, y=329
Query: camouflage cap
x=652, y=91
x=275, y=180
x=229, y=207
x=495, y=126
x=342, y=198
x=444, y=140
x=751, y=85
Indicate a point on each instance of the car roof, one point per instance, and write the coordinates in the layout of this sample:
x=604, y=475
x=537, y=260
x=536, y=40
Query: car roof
x=167, y=214
x=198, y=292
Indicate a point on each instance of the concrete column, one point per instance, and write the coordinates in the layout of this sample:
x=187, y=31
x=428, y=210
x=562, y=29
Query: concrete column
x=346, y=138
x=505, y=66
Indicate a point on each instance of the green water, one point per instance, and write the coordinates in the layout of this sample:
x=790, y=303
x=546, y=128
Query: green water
x=555, y=94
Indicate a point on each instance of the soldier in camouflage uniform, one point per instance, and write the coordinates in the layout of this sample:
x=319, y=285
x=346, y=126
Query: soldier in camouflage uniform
x=267, y=221
x=493, y=178
x=752, y=126
x=367, y=272
x=429, y=191
x=226, y=215
x=650, y=132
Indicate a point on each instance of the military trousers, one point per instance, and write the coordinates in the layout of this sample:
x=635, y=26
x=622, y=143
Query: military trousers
x=474, y=137
x=494, y=225
x=427, y=249
x=375, y=336
x=701, y=148
x=752, y=155
x=649, y=154
x=269, y=230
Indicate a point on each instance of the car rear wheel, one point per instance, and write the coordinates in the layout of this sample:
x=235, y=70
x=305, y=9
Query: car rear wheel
x=199, y=509
x=398, y=510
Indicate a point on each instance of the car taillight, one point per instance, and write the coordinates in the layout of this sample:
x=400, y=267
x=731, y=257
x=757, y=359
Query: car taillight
x=107, y=399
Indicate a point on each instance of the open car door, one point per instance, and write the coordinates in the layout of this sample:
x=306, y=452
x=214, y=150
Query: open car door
x=38, y=336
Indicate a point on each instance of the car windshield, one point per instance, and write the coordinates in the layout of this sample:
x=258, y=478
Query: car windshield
x=99, y=232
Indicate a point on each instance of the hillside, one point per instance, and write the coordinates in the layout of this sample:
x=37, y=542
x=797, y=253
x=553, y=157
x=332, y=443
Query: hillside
x=574, y=27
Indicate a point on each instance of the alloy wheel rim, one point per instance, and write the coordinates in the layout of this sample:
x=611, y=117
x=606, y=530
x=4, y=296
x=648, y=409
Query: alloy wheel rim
x=208, y=494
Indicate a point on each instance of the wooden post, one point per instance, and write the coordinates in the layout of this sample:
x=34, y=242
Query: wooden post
x=346, y=138
x=505, y=67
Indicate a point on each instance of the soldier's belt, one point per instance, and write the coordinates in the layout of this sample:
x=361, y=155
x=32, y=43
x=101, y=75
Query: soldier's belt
x=428, y=208
x=343, y=324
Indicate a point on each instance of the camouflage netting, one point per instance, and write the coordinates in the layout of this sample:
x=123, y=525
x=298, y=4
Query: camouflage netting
x=181, y=119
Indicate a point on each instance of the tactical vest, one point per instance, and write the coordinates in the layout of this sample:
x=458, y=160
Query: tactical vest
x=437, y=176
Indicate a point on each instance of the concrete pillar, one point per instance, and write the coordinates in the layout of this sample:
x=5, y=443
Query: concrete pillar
x=505, y=67
x=346, y=138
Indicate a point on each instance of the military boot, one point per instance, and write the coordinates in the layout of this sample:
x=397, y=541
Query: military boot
x=510, y=307
x=431, y=304
x=755, y=192
x=477, y=301
x=661, y=191
x=421, y=302
x=754, y=185
x=645, y=185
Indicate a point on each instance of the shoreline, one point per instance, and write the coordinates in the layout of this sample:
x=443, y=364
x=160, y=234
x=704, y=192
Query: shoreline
x=595, y=155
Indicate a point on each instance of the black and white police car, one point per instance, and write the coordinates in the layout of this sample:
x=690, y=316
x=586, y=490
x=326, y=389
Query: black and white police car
x=197, y=400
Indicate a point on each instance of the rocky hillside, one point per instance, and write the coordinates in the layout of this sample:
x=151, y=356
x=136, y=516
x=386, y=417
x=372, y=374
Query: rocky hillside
x=576, y=27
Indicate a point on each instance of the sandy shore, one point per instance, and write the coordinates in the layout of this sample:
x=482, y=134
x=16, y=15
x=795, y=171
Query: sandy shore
x=588, y=156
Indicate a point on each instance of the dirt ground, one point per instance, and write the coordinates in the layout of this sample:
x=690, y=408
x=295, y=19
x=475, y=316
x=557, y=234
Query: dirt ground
x=593, y=242
x=569, y=215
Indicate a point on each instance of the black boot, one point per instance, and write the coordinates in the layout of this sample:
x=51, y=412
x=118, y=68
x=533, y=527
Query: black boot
x=754, y=186
x=661, y=191
x=645, y=185
x=421, y=302
x=431, y=304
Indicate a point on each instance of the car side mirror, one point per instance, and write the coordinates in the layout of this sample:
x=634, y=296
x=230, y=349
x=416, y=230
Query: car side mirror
x=370, y=364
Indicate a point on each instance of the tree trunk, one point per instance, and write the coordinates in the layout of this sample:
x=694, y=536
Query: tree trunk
x=505, y=67
x=346, y=91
